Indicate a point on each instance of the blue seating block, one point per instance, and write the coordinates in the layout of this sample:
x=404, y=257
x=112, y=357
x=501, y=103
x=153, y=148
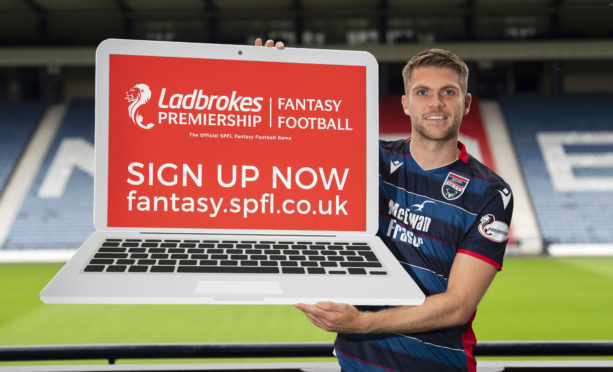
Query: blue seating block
x=574, y=215
x=17, y=121
x=67, y=220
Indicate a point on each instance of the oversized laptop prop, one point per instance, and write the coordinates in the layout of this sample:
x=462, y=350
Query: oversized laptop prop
x=234, y=174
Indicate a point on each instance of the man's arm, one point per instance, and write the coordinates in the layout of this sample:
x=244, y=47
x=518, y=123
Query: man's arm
x=468, y=281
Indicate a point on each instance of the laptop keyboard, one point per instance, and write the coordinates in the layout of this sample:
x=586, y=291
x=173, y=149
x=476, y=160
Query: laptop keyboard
x=249, y=256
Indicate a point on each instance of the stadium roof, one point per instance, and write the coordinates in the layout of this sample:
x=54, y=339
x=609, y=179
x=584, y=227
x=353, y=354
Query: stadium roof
x=390, y=29
x=383, y=21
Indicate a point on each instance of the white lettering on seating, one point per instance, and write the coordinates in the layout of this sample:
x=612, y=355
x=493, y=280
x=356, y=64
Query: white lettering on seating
x=72, y=152
x=560, y=164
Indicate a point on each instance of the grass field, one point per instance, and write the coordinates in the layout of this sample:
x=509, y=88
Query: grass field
x=531, y=299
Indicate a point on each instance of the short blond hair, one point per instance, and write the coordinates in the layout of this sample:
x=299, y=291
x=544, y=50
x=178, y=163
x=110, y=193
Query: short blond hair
x=437, y=58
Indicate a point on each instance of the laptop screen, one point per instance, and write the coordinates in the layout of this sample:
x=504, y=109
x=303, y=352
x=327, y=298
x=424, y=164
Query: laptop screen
x=235, y=144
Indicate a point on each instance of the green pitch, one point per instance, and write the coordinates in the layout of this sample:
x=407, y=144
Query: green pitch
x=530, y=299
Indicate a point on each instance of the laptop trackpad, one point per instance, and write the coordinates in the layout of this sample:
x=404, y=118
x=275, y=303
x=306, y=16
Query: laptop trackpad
x=238, y=287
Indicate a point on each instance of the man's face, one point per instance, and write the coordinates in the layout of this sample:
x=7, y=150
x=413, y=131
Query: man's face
x=436, y=103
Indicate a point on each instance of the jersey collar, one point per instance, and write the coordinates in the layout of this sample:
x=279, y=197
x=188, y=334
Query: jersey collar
x=464, y=155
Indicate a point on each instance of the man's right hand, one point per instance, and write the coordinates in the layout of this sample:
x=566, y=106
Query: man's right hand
x=269, y=43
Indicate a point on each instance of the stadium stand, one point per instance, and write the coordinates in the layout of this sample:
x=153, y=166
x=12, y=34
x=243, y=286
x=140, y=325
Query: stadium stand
x=57, y=211
x=17, y=121
x=565, y=159
x=565, y=147
x=525, y=234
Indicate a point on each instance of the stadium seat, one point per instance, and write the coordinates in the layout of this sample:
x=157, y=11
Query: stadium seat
x=57, y=212
x=17, y=121
x=565, y=148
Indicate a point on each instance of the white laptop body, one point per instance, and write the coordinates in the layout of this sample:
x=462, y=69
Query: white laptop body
x=261, y=148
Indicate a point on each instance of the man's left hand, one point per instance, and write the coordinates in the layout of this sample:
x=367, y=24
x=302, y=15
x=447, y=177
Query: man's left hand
x=335, y=317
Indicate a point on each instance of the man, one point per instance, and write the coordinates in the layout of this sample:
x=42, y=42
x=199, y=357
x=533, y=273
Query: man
x=445, y=216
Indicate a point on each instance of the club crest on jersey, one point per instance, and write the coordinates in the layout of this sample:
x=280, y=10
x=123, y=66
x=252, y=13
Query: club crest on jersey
x=491, y=229
x=454, y=186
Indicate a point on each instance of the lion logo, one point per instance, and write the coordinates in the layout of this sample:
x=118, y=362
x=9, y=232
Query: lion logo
x=138, y=95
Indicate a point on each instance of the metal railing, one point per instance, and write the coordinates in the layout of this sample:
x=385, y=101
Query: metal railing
x=277, y=350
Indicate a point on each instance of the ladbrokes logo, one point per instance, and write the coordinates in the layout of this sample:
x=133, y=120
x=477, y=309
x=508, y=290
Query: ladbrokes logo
x=198, y=100
x=195, y=108
x=138, y=95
